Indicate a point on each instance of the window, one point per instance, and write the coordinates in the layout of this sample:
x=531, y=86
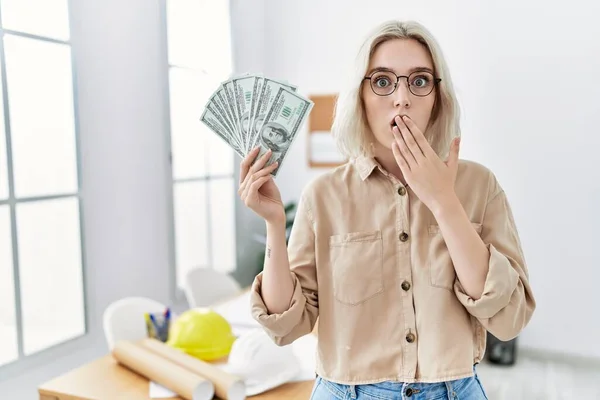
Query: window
x=199, y=58
x=41, y=269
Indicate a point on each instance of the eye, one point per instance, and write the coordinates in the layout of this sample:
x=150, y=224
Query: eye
x=421, y=81
x=382, y=81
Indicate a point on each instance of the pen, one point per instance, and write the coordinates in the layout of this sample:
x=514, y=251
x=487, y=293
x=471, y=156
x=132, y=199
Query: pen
x=154, y=326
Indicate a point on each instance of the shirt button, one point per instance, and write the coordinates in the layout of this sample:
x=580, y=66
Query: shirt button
x=405, y=286
x=410, y=338
x=401, y=190
x=403, y=237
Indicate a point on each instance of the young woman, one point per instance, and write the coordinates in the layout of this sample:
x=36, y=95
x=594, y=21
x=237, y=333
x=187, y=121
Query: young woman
x=406, y=254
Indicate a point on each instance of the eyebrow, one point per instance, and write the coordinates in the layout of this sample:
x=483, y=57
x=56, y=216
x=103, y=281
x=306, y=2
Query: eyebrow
x=410, y=71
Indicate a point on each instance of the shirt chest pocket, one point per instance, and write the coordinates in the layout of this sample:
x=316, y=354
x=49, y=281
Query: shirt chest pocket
x=356, y=260
x=439, y=263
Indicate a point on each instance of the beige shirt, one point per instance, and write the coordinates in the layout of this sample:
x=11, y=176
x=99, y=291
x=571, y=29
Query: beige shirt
x=369, y=260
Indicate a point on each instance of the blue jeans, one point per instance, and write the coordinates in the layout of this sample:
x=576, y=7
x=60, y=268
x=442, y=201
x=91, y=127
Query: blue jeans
x=460, y=389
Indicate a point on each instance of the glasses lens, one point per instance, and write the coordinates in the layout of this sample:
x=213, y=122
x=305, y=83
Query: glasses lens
x=420, y=83
x=383, y=83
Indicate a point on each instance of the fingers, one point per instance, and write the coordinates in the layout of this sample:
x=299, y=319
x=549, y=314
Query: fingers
x=253, y=177
x=419, y=137
x=404, y=167
x=246, y=163
x=409, y=140
x=452, y=161
x=256, y=185
x=247, y=168
x=403, y=148
x=261, y=162
x=249, y=189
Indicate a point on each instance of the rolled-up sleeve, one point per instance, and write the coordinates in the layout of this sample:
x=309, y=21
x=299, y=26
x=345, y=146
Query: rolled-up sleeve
x=300, y=318
x=507, y=303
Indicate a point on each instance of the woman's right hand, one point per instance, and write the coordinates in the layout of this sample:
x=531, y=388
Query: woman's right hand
x=257, y=189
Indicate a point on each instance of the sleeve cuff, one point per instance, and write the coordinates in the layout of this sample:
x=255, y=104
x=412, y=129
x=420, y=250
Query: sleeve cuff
x=500, y=283
x=278, y=325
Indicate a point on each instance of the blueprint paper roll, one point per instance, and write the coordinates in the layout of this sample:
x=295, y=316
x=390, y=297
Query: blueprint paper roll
x=227, y=386
x=174, y=377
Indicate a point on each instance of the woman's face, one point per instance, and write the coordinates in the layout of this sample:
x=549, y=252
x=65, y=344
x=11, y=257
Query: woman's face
x=398, y=57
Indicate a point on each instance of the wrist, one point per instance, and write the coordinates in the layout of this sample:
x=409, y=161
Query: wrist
x=448, y=204
x=276, y=223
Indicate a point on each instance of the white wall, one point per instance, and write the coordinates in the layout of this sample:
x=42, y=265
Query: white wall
x=526, y=76
x=122, y=89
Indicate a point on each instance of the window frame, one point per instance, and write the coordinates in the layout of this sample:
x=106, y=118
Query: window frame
x=49, y=354
x=177, y=293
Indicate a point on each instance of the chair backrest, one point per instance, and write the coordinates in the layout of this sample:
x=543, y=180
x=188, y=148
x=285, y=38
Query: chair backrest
x=204, y=287
x=124, y=319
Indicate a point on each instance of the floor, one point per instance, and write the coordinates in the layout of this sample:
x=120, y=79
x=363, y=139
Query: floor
x=533, y=378
x=24, y=387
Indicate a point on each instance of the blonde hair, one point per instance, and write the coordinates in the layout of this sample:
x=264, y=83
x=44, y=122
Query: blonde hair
x=350, y=129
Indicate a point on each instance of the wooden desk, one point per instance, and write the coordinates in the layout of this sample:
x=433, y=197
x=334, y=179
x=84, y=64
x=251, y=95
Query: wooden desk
x=105, y=379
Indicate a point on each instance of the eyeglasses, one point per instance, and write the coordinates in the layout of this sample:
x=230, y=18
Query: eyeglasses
x=420, y=83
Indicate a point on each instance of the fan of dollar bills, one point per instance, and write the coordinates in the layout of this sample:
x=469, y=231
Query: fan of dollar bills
x=251, y=110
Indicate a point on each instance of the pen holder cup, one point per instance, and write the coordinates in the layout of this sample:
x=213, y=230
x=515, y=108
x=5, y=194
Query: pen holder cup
x=157, y=325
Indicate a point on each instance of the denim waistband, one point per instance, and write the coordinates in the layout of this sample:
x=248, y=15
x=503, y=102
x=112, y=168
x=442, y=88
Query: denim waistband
x=467, y=388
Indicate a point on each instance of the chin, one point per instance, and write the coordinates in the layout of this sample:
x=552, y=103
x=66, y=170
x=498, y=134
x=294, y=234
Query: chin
x=381, y=144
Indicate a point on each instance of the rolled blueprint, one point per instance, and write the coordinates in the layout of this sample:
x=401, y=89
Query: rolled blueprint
x=227, y=386
x=174, y=377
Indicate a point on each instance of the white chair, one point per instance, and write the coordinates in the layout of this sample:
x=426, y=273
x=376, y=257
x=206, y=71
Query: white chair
x=124, y=319
x=204, y=287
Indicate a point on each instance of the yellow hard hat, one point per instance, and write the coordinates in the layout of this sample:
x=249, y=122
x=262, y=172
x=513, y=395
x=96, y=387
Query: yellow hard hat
x=202, y=333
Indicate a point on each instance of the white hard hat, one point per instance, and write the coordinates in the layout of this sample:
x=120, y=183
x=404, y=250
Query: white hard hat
x=262, y=364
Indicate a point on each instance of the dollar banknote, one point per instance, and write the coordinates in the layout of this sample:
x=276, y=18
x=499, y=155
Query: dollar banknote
x=281, y=125
x=221, y=98
x=229, y=90
x=254, y=104
x=244, y=88
x=251, y=110
x=210, y=119
x=218, y=111
x=269, y=89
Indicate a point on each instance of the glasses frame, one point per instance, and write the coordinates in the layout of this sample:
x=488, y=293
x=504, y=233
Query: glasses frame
x=436, y=81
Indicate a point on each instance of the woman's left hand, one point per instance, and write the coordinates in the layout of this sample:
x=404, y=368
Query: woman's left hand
x=430, y=178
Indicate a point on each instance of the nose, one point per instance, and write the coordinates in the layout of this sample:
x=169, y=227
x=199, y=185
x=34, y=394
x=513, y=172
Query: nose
x=402, y=95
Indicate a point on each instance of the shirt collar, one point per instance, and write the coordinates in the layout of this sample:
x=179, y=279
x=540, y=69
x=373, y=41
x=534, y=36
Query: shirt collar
x=366, y=166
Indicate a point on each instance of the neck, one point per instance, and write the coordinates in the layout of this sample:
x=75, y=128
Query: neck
x=385, y=157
